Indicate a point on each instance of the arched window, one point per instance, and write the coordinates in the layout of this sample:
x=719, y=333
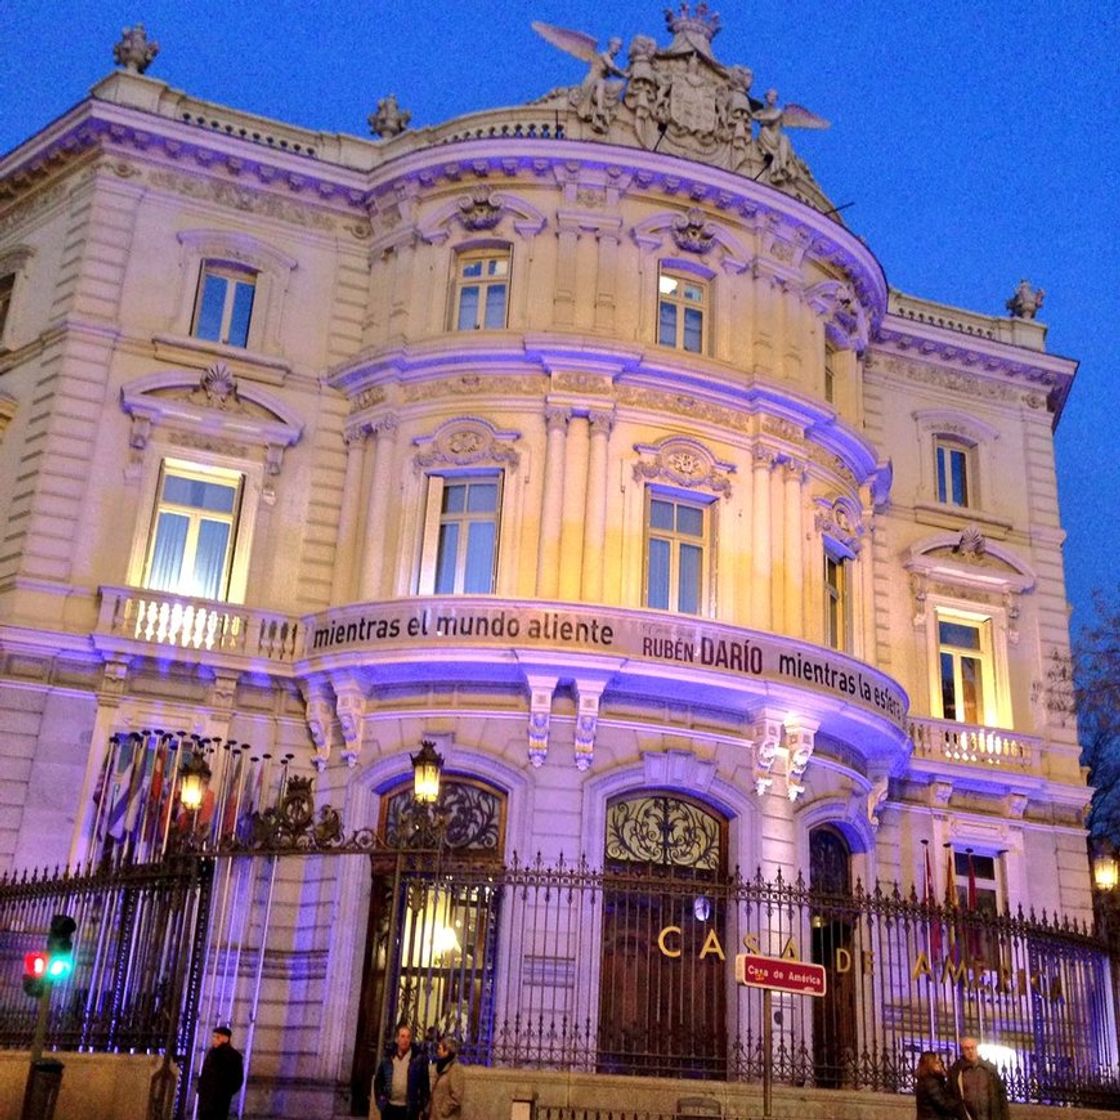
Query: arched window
x=662, y=1002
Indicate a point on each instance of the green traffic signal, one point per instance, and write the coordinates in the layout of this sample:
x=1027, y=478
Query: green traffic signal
x=60, y=948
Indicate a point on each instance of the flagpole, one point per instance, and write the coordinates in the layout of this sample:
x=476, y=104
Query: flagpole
x=952, y=903
x=927, y=891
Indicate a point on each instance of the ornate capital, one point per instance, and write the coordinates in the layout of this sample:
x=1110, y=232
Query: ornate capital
x=556, y=417
x=602, y=420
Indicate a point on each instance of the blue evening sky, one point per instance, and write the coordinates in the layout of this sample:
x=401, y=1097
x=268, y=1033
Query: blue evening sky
x=978, y=141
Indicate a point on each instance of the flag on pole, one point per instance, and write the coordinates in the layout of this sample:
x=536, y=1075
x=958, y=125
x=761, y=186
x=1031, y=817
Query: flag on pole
x=930, y=900
x=952, y=905
x=119, y=787
x=233, y=789
x=151, y=834
x=138, y=786
x=975, y=941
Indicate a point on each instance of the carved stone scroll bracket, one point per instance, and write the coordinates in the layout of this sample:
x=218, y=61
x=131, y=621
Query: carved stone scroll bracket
x=766, y=736
x=1015, y=805
x=800, y=736
x=319, y=713
x=876, y=799
x=350, y=707
x=589, y=694
x=542, y=687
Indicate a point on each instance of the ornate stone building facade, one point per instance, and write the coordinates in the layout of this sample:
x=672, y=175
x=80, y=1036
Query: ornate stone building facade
x=581, y=438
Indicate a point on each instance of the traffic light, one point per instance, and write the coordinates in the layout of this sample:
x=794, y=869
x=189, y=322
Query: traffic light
x=60, y=948
x=34, y=974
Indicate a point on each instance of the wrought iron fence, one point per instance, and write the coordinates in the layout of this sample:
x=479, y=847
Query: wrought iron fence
x=141, y=930
x=570, y=967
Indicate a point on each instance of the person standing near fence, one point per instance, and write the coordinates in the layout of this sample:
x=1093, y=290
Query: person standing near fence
x=401, y=1085
x=933, y=1099
x=978, y=1085
x=449, y=1083
x=222, y=1073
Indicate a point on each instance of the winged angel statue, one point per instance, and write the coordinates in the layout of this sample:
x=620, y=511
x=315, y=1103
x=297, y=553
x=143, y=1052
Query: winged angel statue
x=773, y=142
x=596, y=96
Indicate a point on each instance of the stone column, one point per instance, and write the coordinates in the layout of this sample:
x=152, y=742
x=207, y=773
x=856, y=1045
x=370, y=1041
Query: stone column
x=346, y=547
x=371, y=576
x=548, y=554
x=793, y=476
x=596, y=515
x=761, y=569
x=575, y=506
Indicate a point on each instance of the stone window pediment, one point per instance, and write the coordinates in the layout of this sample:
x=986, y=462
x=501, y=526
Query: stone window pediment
x=213, y=412
x=694, y=233
x=467, y=442
x=683, y=464
x=970, y=561
x=482, y=211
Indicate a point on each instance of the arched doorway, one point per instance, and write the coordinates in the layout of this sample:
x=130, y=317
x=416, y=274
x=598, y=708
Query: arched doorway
x=663, y=1001
x=834, y=1017
x=433, y=924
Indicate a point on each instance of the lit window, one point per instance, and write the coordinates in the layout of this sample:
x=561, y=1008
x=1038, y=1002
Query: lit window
x=965, y=665
x=676, y=539
x=953, y=461
x=482, y=291
x=976, y=882
x=7, y=286
x=467, y=542
x=193, y=532
x=837, y=602
x=224, y=306
x=681, y=306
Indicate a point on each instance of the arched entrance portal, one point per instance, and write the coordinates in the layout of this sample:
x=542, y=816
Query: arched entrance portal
x=663, y=1002
x=433, y=924
x=834, y=1016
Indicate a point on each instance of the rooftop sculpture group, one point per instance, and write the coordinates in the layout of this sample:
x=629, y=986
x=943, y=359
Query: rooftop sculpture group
x=681, y=100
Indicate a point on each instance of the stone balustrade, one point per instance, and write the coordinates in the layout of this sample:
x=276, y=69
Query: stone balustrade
x=975, y=745
x=199, y=624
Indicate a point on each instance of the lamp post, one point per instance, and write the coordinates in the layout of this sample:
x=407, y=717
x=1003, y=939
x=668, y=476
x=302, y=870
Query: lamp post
x=1106, y=876
x=194, y=779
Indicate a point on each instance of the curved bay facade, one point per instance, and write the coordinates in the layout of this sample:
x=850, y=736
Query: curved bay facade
x=725, y=579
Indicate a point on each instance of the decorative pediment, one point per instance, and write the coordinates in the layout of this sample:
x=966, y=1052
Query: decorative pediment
x=692, y=232
x=970, y=561
x=482, y=211
x=212, y=408
x=467, y=442
x=239, y=247
x=683, y=462
x=846, y=323
x=840, y=518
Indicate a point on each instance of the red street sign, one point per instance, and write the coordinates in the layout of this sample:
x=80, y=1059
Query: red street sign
x=781, y=974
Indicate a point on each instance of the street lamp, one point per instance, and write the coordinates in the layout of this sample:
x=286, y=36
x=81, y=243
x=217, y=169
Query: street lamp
x=194, y=777
x=1106, y=874
x=427, y=769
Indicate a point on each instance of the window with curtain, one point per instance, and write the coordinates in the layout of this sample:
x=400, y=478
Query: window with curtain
x=837, y=602
x=467, y=542
x=194, y=531
x=482, y=290
x=681, y=311
x=965, y=666
x=676, y=547
x=224, y=305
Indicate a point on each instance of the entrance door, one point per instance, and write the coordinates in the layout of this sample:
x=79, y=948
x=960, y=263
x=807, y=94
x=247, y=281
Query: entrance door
x=835, y=1043
x=662, y=989
x=432, y=935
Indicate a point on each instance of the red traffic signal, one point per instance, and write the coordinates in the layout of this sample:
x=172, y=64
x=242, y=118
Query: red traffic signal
x=34, y=974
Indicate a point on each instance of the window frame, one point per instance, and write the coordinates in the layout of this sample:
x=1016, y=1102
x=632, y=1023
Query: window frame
x=8, y=279
x=234, y=276
x=463, y=257
x=435, y=520
x=683, y=275
x=706, y=507
x=995, y=703
x=217, y=467
x=838, y=596
x=946, y=448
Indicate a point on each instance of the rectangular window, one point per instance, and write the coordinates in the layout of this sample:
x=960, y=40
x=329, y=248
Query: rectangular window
x=830, y=374
x=681, y=307
x=461, y=537
x=676, y=543
x=964, y=652
x=7, y=286
x=224, y=306
x=975, y=878
x=836, y=602
x=952, y=471
x=482, y=291
x=194, y=530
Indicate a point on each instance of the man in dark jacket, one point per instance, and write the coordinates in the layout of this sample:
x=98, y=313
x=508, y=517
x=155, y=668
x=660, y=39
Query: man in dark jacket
x=221, y=1077
x=401, y=1085
x=978, y=1084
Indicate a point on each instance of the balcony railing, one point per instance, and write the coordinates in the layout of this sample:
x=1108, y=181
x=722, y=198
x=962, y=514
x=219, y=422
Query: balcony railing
x=974, y=745
x=199, y=624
